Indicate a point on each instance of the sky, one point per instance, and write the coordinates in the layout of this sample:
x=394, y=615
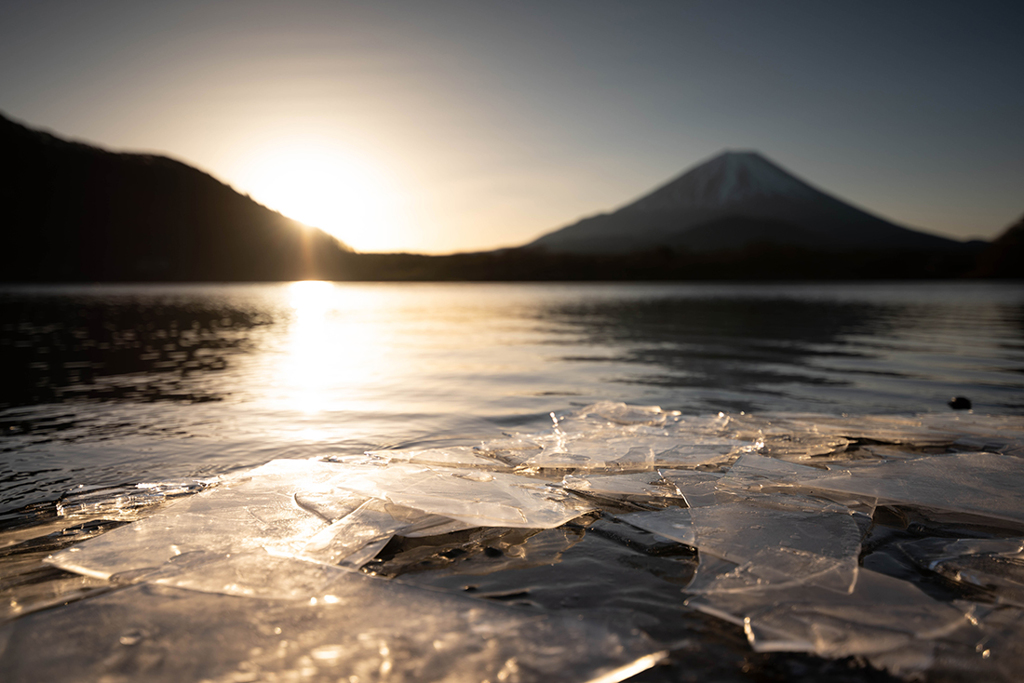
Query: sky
x=438, y=126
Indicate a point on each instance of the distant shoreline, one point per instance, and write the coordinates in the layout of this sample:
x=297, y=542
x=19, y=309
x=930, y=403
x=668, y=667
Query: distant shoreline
x=82, y=214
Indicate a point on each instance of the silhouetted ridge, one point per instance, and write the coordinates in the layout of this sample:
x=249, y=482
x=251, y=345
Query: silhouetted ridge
x=733, y=201
x=76, y=213
x=1004, y=257
x=73, y=212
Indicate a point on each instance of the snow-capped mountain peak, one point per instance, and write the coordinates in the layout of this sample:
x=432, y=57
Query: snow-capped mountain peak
x=729, y=178
x=731, y=201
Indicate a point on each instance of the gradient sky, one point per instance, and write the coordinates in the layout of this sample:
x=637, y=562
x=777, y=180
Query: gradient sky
x=463, y=125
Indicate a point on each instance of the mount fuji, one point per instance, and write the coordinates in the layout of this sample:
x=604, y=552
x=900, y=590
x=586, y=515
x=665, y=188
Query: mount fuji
x=732, y=201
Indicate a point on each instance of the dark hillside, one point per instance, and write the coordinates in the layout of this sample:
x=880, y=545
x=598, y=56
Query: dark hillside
x=73, y=212
x=1004, y=257
x=77, y=213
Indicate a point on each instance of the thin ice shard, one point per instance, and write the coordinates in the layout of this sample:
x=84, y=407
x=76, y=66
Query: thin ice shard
x=624, y=414
x=880, y=616
x=123, y=502
x=646, y=485
x=284, y=509
x=781, y=541
x=239, y=517
x=994, y=565
x=472, y=496
x=697, y=488
x=755, y=474
x=803, y=447
x=596, y=454
x=981, y=484
x=260, y=512
x=330, y=505
x=513, y=449
x=698, y=451
x=772, y=537
x=355, y=538
x=673, y=523
x=454, y=456
x=632, y=452
x=354, y=627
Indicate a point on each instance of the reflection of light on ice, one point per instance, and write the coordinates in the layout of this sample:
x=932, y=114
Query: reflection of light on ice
x=777, y=507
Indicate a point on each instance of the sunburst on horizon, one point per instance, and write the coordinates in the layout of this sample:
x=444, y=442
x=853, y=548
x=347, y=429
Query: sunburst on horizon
x=324, y=185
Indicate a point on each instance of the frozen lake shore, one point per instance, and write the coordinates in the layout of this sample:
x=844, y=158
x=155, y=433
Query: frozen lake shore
x=896, y=541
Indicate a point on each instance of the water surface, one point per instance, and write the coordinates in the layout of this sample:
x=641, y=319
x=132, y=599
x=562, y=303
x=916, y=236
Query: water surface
x=117, y=384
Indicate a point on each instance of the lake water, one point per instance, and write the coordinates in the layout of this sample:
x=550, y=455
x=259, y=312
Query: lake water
x=116, y=385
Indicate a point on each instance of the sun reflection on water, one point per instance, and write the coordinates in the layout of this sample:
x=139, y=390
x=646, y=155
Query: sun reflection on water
x=325, y=351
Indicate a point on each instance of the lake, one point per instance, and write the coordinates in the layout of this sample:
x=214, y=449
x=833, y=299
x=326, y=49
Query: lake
x=116, y=385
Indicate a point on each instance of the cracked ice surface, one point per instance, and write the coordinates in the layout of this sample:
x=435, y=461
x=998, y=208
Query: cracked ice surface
x=796, y=520
x=995, y=566
x=883, y=617
x=321, y=512
x=983, y=484
x=355, y=627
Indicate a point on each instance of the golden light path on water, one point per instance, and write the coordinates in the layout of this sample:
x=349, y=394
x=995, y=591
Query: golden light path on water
x=348, y=355
x=328, y=355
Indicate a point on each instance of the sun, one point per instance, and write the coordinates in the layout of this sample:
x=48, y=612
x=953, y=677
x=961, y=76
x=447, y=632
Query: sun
x=320, y=183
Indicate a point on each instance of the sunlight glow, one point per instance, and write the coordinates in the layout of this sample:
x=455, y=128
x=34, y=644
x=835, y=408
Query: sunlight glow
x=315, y=356
x=330, y=350
x=322, y=184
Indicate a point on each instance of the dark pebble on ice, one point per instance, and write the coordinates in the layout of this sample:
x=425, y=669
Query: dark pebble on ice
x=960, y=403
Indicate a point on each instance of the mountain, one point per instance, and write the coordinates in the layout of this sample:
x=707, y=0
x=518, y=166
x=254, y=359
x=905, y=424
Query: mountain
x=72, y=212
x=1004, y=257
x=733, y=201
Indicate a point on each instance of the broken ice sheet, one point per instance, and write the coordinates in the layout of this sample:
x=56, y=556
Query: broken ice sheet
x=979, y=484
x=883, y=428
x=778, y=541
x=512, y=449
x=229, y=520
x=698, y=451
x=355, y=628
x=995, y=565
x=697, y=488
x=758, y=474
x=785, y=531
x=618, y=437
x=675, y=524
x=280, y=508
x=475, y=497
x=994, y=651
x=354, y=539
x=621, y=453
x=643, y=485
x=802, y=447
x=320, y=512
x=454, y=456
x=123, y=502
x=882, y=615
x=774, y=537
x=624, y=414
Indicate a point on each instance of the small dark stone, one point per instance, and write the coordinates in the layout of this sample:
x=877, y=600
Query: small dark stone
x=960, y=403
